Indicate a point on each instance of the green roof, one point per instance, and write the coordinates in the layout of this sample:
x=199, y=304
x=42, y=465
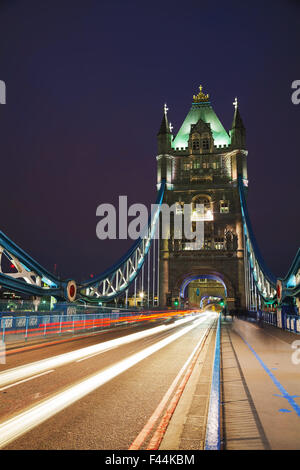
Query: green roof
x=205, y=112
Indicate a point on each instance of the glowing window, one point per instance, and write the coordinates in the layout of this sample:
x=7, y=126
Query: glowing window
x=224, y=207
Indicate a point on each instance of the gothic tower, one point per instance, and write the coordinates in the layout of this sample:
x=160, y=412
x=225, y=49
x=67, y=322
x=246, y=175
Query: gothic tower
x=201, y=164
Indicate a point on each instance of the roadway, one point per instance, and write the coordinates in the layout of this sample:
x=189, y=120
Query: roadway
x=97, y=392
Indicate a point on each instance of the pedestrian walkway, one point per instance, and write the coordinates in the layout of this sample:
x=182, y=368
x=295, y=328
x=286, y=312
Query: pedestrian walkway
x=241, y=426
x=260, y=387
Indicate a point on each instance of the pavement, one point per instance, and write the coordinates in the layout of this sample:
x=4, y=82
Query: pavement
x=261, y=387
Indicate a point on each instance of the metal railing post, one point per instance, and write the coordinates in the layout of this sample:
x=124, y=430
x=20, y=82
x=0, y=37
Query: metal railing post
x=26, y=327
x=60, y=324
x=3, y=328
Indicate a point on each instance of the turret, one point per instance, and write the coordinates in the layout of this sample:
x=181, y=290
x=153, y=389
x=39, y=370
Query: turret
x=238, y=131
x=164, y=135
x=164, y=157
x=238, y=145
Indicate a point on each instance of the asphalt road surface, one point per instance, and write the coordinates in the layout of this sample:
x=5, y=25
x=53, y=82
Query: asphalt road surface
x=96, y=392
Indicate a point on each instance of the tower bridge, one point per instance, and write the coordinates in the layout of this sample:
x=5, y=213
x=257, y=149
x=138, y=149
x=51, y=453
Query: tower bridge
x=201, y=164
x=178, y=287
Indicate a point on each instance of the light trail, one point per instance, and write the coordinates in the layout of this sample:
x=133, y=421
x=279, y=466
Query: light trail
x=28, y=419
x=140, y=439
x=93, y=355
x=21, y=372
x=26, y=380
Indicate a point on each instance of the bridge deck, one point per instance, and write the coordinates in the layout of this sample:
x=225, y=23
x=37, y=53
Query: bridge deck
x=261, y=387
x=187, y=428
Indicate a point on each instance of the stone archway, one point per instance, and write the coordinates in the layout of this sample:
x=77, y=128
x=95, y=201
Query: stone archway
x=182, y=281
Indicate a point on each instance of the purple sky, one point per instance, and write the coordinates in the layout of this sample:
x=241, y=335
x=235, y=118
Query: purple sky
x=86, y=83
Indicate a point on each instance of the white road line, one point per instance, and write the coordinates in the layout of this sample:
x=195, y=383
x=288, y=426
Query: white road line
x=30, y=418
x=92, y=355
x=27, y=370
x=26, y=380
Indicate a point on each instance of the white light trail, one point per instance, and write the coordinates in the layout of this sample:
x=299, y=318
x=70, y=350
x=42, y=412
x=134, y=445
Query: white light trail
x=26, y=380
x=28, y=419
x=21, y=372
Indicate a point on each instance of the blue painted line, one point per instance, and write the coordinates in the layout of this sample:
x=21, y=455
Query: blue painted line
x=283, y=391
x=213, y=437
x=283, y=410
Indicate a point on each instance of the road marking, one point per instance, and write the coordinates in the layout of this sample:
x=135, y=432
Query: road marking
x=92, y=355
x=28, y=370
x=37, y=414
x=284, y=393
x=26, y=380
x=140, y=439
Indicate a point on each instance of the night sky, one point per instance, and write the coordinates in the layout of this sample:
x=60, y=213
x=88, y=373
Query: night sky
x=86, y=83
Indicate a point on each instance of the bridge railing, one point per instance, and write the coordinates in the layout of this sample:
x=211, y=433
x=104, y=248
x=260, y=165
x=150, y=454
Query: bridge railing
x=287, y=321
x=17, y=327
x=269, y=317
x=291, y=323
x=14, y=328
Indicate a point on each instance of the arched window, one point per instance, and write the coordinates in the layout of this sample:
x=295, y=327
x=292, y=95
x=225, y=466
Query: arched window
x=203, y=213
x=205, y=144
x=196, y=144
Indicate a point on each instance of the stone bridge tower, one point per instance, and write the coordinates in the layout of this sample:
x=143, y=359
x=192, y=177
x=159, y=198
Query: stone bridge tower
x=201, y=165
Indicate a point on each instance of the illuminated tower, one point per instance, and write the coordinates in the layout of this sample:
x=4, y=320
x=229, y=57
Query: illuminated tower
x=201, y=164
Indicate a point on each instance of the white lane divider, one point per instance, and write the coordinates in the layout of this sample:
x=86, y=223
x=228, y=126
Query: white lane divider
x=26, y=380
x=93, y=355
x=37, y=414
x=21, y=372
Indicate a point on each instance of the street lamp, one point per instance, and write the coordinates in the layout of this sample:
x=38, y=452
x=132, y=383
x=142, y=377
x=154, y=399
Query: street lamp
x=141, y=296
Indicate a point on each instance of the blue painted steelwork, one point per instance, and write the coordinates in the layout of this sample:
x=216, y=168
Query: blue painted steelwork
x=267, y=285
x=290, y=285
x=114, y=281
x=29, y=275
x=213, y=433
x=265, y=281
x=250, y=235
x=32, y=279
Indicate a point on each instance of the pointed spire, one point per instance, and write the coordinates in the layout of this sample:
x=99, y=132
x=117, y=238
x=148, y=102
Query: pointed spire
x=237, y=122
x=238, y=131
x=165, y=127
